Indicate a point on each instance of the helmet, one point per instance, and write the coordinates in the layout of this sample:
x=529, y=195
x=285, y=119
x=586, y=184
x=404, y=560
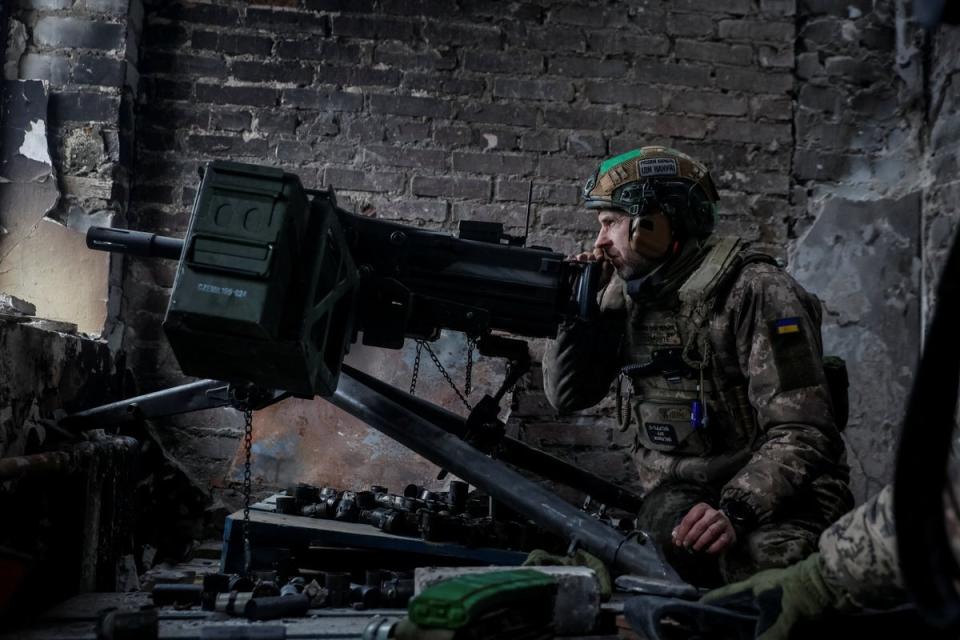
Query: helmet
x=635, y=181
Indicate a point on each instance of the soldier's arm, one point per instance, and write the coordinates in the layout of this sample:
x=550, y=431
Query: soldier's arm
x=777, y=334
x=580, y=364
x=858, y=555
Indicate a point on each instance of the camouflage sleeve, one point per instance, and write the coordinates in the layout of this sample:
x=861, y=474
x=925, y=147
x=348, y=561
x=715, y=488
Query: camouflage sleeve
x=580, y=364
x=776, y=327
x=858, y=556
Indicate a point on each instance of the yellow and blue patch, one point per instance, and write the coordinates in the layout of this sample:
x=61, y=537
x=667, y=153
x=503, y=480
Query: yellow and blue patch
x=784, y=326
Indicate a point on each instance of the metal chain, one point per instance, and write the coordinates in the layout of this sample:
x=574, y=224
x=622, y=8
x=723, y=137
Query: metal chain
x=468, y=384
x=446, y=375
x=247, y=488
x=416, y=367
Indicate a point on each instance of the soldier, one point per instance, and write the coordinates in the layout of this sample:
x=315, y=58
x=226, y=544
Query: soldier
x=717, y=358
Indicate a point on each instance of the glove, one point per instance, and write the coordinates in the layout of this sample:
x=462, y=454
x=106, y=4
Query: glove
x=540, y=558
x=785, y=597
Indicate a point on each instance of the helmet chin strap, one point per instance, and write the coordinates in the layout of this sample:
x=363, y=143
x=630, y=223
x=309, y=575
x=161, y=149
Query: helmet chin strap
x=651, y=236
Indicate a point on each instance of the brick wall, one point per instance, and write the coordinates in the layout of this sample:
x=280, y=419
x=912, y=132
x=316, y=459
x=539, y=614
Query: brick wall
x=431, y=113
x=811, y=115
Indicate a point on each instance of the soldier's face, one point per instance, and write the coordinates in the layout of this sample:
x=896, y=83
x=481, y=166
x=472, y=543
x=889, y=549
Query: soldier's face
x=614, y=241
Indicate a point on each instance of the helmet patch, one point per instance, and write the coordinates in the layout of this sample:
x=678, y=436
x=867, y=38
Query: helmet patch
x=657, y=167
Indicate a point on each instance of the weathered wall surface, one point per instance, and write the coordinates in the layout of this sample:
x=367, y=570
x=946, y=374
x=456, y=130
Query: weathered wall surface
x=813, y=116
x=85, y=52
x=430, y=113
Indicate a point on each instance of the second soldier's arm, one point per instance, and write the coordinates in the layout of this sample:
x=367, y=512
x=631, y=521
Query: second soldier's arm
x=777, y=335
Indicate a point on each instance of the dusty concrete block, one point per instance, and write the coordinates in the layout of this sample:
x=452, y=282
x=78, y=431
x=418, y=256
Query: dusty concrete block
x=578, y=592
x=13, y=305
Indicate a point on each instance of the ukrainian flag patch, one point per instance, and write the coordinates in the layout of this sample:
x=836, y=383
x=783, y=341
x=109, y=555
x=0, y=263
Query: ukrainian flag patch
x=787, y=325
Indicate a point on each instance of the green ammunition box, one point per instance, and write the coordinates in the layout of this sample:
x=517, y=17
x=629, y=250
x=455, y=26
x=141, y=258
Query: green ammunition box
x=264, y=286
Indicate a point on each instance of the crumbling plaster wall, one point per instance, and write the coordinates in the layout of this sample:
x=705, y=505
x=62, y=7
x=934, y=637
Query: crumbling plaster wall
x=810, y=113
x=84, y=54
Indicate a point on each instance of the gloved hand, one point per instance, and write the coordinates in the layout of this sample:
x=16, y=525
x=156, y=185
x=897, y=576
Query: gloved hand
x=541, y=558
x=785, y=597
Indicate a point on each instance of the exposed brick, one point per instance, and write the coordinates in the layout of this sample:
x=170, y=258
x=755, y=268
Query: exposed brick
x=714, y=52
x=477, y=35
x=272, y=18
x=410, y=209
x=510, y=215
x=418, y=8
x=691, y=25
x=815, y=164
x=569, y=219
x=772, y=57
x=405, y=157
x=639, y=95
x=198, y=13
x=251, y=96
x=94, y=107
x=357, y=76
x=666, y=73
x=168, y=116
x=68, y=33
x=809, y=66
x=549, y=38
x=553, y=90
x=315, y=48
x=453, y=135
x=294, y=151
x=756, y=30
x=353, y=180
x=53, y=68
x=562, y=167
x=492, y=163
x=709, y=102
x=354, y=6
x=587, y=15
x=325, y=151
x=275, y=121
x=671, y=126
x=737, y=7
x=758, y=132
x=771, y=108
x=402, y=130
x=842, y=9
x=490, y=137
x=778, y=8
x=401, y=56
x=859, y=71
x=518, y=190
x=410, y=106
x=230, y=120
x=499, y=113
x=515, y=62
x=580, y=67
x=231, y=43
x=441, y=84
x=750, y=80
x=540, y=141
x=172, y=36
x=585, y=143
x=226, y=145
x=184, y=65
x=588, y=118
x=820, y=98
x=320, y=124
x=322, y=100
x=451, y=187
x=270, y=72
x=613, y=42
x=373, y=27
x=526, y=12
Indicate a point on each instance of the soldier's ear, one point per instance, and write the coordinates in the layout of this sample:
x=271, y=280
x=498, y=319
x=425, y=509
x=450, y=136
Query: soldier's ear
x=651, y=236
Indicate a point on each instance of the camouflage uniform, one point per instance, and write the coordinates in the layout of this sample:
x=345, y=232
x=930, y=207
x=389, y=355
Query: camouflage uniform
x=751, y=352
x=858, y=556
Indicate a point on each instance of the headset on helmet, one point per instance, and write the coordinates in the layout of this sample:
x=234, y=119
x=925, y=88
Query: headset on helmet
x=637, y=180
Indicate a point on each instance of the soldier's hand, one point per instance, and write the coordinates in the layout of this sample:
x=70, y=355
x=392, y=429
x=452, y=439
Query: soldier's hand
x=596, y=256
x=786, y=598
x=704, y=529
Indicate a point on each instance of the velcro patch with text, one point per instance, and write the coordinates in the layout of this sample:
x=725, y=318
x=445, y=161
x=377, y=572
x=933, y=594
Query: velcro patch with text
x=657, y=167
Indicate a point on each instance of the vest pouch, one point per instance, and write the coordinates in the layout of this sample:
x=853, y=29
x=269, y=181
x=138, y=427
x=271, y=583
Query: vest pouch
x=665, y=426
